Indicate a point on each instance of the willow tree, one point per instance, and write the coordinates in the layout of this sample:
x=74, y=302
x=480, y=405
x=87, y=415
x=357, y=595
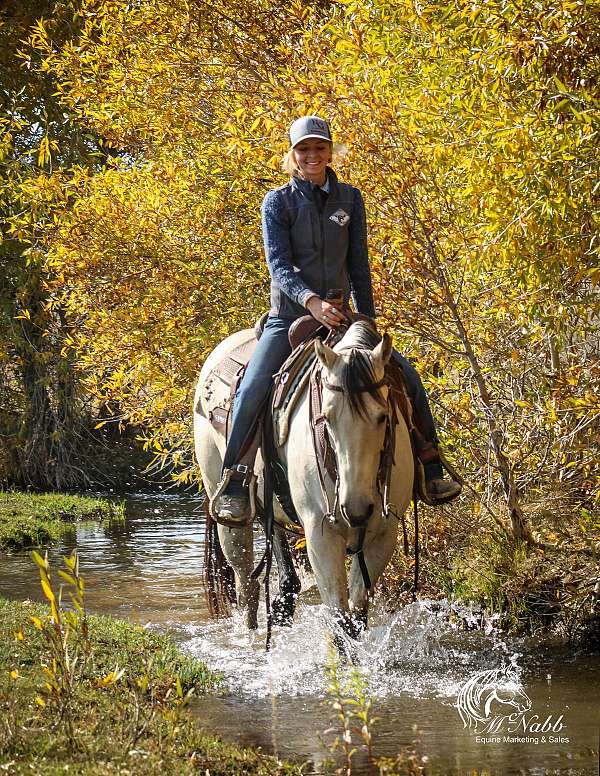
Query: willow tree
x=470, y=130
x=40, y=419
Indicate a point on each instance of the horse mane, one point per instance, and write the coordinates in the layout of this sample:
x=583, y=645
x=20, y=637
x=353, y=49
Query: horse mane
x=358, y=373
x=361, y=334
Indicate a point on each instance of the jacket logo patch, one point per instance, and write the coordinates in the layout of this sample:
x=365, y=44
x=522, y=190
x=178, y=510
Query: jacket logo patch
x=340, y=217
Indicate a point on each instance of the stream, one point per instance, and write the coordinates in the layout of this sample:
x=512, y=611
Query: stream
x=415, y=664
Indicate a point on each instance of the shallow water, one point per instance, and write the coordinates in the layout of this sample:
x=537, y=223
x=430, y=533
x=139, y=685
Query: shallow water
x=413, y=663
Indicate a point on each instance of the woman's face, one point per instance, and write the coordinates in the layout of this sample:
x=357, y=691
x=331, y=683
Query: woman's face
x=312, y=156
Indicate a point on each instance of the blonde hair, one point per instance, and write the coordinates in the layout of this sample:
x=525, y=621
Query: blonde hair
x=288, y=163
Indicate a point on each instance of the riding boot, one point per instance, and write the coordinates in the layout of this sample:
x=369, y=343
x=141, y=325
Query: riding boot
x=231, y=507
x=439, y=490
x=232, y=504
x=436, y=489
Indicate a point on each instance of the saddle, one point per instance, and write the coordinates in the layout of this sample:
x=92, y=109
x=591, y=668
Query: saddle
x=295, y=374
x=231, y=369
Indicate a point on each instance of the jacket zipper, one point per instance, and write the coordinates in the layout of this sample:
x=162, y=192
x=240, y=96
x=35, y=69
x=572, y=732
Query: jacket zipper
x=320, y=214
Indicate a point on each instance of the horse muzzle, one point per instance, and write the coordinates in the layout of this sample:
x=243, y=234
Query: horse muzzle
x=356, y=518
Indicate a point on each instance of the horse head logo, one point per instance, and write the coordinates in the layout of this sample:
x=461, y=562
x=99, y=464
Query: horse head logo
x=490, y=697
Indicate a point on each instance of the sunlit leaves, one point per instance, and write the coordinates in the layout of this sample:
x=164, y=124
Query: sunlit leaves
x=471, y=130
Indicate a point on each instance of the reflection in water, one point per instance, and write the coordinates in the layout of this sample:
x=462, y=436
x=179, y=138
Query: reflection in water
x=148, y=569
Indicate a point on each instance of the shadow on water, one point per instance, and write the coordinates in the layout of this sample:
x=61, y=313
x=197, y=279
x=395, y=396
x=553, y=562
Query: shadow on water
x=148, y=569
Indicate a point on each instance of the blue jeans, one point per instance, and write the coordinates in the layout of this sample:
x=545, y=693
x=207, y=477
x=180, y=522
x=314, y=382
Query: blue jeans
x=418, y=396
x=271, y=351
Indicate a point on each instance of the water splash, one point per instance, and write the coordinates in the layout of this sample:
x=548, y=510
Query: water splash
x=420, y=650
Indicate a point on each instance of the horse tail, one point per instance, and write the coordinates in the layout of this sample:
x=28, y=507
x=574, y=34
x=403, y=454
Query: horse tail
x=218, y=576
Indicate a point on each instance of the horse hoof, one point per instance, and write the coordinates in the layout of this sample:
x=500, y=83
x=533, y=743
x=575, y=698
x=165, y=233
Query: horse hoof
x=252, y=622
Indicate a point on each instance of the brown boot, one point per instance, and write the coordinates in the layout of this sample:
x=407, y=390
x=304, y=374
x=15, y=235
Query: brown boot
x=439, y=490
x=232, y=506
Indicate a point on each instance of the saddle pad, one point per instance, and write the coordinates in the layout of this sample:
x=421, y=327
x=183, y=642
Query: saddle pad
x=228, y=369
x=293, y=377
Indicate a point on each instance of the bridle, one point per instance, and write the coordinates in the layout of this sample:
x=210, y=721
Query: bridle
x=318, y=421
x=327, y=460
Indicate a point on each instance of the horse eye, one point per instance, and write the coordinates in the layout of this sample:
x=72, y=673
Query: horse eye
x=381, y=418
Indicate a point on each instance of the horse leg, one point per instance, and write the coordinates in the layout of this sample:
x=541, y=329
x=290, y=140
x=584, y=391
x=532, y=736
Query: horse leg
x=327, y=554
x=238, y=548
x=377, y=554
x=237, y=543
x=284, y=603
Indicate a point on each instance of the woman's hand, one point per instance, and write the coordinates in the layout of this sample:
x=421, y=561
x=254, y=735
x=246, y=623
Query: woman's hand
x=325, y=312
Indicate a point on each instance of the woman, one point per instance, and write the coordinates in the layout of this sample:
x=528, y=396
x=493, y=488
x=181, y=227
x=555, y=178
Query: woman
x=315, y=237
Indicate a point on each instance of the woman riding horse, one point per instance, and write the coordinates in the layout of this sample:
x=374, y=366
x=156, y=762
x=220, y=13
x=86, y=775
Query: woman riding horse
x=315, y=237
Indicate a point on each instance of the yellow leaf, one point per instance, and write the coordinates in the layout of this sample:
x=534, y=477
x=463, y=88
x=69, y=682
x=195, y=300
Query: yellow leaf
x=48, y=592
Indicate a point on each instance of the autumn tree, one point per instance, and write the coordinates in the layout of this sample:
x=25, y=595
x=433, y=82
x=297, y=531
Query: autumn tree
x=471, y=131
x=40, y=420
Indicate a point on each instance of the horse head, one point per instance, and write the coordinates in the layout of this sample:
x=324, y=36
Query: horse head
x=512, y=695
x=356, y=411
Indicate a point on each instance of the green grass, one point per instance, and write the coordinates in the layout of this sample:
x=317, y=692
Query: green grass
x=138, y=724
x=546, y=588
x=35, y=520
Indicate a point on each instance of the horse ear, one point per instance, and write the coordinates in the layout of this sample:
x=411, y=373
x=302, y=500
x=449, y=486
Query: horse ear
x=325, y=354
x=383, y=350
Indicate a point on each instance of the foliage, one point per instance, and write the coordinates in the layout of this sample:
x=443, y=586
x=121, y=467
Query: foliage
x=351, y=713
x=90, y=694
x=28, y=519
x=472, y=132
x=43, y=420
x=550, y=588
x=353, y=725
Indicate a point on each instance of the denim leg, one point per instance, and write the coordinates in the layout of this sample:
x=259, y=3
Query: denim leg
x=419, y=398
x=271, y=351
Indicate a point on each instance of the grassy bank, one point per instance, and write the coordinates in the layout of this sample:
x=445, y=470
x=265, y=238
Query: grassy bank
x=122, y=709
x=34, y=519
x=550, y=586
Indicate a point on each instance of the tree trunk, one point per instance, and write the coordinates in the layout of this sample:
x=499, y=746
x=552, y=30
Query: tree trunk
x=38, y=426
x=520, y=529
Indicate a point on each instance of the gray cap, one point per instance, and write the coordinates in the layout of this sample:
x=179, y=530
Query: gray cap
x=309, y=126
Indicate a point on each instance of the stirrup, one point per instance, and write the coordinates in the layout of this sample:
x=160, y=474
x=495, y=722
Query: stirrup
x=250, y=478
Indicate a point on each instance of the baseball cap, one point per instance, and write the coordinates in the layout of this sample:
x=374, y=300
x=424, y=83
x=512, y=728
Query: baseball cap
x=309, y=126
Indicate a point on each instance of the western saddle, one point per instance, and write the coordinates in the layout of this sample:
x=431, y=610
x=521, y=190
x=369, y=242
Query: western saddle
x=289, y=383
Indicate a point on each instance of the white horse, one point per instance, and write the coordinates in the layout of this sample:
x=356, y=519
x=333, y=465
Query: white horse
x=356, y=407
